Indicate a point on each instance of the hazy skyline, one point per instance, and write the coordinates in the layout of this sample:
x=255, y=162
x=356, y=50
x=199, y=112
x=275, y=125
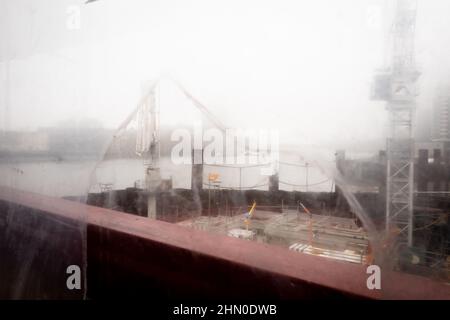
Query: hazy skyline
x=304, y=67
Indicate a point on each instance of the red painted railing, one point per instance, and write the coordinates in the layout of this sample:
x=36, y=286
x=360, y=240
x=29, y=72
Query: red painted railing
x=123, y=255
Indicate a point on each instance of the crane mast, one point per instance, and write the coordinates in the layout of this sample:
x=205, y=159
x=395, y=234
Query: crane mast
x=397, y=86
x=148, y=138
x=148, y=145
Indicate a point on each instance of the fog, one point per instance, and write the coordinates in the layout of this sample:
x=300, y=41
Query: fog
x=303, y=67
x=99, y=105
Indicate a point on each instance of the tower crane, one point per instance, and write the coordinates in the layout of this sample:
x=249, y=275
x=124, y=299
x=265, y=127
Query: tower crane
x=148, y=137
x=397, y=86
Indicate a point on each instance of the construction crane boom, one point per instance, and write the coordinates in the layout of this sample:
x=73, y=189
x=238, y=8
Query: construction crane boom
x=211, y=117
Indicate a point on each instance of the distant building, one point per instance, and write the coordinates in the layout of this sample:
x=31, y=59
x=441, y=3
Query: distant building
x=24, y=141
x=441, y=114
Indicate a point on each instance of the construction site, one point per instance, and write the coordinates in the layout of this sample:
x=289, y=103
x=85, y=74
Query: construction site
x=409, y=236
x=185, y=204
x=325, y=236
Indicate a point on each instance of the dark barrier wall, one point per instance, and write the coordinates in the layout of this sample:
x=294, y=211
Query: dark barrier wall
x=128, y=256
x=36, y=249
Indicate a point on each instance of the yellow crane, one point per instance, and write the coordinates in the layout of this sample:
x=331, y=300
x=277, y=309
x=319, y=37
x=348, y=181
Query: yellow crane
x=310, y=223
x=249, y=214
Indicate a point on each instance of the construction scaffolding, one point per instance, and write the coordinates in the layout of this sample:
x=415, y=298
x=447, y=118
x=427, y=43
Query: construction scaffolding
x=321, y=235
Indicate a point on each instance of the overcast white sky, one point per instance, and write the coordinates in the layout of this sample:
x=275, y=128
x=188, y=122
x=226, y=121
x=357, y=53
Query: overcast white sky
x=303, y=67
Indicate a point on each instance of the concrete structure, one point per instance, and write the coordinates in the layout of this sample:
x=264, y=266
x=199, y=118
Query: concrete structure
x=241, y=234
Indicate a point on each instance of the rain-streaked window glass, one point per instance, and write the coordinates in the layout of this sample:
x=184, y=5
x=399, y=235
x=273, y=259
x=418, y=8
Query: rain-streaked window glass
x=318, y=127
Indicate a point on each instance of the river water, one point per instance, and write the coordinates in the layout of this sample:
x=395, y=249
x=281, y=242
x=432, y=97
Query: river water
x=77, y=178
